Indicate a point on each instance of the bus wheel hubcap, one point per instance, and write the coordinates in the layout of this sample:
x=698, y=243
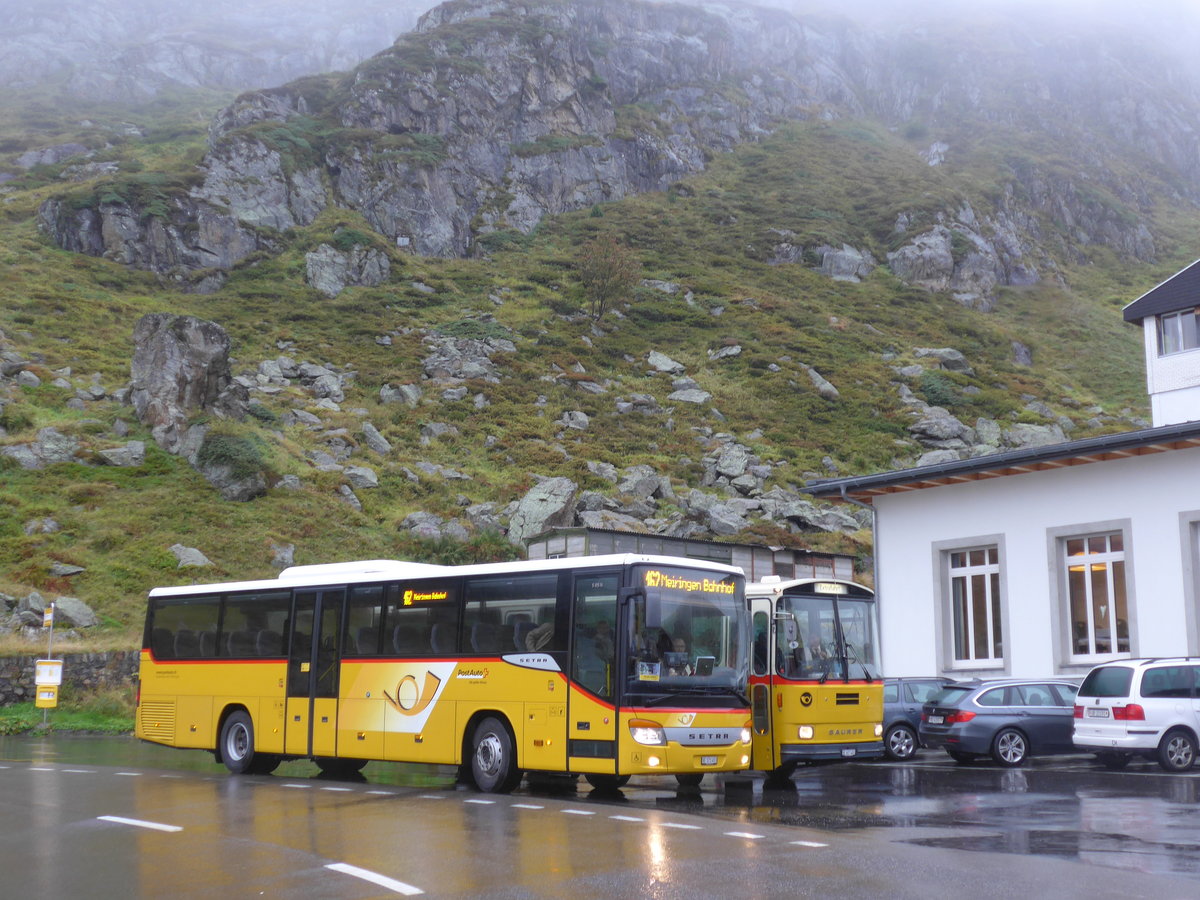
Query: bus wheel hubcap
x=489, y=754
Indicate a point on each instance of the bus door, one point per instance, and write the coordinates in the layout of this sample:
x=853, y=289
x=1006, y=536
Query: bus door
x=763, y=758
x=313, y=664
x=591, y=712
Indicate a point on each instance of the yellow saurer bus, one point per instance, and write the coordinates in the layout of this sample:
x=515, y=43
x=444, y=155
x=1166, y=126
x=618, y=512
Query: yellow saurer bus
x=605, y=666
x=815, y=689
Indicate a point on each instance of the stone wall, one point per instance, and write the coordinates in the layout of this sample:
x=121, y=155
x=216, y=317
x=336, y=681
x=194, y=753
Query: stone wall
x=81, y=671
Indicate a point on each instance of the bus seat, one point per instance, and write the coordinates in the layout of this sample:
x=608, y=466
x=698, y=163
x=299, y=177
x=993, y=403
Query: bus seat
x=407, y=640
x=240, y=643
x=484, y=638
x=208, y=644
x=162, y=644
x=268, y=643
x=441, y=638
x=187, y=644
x=520, y=632
x=368, y=640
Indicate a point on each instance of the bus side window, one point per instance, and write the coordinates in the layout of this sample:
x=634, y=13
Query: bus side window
x=762, y=635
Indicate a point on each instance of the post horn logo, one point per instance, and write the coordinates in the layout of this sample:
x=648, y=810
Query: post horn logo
x=411, y=700
x=806, y=699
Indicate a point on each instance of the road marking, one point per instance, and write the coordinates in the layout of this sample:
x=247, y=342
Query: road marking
x=41, y=769
x=131, y=774
x=744, y=834
x=156, y=826
x=480, y=802
x=808, y=844
x=579, y=812
x=81, y=771
x=384, y=793
x=681, y=825
x=628, y=818
x=375, y=878
x=527, y=806
x=433, y=796
x=303, y=787
x=337, y=789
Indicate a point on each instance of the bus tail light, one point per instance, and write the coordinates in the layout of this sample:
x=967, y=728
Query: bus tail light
x=647, y=732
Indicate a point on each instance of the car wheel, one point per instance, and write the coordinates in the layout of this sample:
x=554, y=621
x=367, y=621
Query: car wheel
x=1113, y=761
x=900, y=742
x=1010, y=748
x=1177, y=751
x=607, y=783
x=493, y=760
x=959, y=757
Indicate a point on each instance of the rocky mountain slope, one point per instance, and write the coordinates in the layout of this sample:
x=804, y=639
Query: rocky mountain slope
x=347, y=320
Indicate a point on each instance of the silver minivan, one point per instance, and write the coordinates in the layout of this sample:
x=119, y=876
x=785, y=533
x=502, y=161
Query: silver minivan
x=1141, y=707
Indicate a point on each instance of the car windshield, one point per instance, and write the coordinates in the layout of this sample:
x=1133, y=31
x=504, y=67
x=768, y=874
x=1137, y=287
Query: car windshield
x=949, y=696
x=688, y=634
x=1107, y=681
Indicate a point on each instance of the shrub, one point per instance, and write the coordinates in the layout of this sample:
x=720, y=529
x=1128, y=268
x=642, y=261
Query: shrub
x=241, y=453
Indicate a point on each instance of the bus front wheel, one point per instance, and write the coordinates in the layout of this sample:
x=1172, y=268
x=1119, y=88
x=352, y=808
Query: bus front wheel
x=237, y=743
x=493, y=759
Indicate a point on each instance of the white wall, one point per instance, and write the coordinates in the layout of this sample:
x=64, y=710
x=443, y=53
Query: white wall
x=1157, y=496
x=1173, y=381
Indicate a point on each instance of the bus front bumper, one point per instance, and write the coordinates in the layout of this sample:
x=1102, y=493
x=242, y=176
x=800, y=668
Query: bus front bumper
x=790, y=753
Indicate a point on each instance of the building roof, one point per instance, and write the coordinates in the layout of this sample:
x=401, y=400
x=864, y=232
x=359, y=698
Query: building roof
x=1012, y=462
x=1180, y=291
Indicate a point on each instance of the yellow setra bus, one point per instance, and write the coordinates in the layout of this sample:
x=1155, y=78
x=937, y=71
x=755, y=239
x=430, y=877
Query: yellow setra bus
x=815, y=689
x=605, y=666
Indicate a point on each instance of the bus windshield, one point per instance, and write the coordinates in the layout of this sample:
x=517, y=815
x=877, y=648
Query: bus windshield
x=826, y=637
x=687, y=633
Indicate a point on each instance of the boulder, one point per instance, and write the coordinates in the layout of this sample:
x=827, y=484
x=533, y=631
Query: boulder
x=548, y=504
x=331, y=271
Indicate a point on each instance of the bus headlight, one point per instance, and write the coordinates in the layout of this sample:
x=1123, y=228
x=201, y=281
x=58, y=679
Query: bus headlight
x=806, y=732
x=647, y=732
x=878, y=731
x=746, y=734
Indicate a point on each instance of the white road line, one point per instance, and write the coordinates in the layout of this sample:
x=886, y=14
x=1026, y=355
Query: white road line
x=744, y=834
x=336, y=789
x=384, y=793
x=579, y=812
x=131, y=774
x=156, y=826
x=81, y=771
x=433, y=796
x=375, y=878
x=41, y=769
x=480, y=802
x=527, y=806
x=808, y=844
x=303, y=787
x=628, y=818
x=681, y=825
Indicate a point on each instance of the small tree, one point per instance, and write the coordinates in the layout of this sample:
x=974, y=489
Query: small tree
x=608, y=272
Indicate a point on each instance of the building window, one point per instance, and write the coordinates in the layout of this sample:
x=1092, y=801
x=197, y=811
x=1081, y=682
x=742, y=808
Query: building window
x=1177, y=332
x=975, y=605
x=1096, y=595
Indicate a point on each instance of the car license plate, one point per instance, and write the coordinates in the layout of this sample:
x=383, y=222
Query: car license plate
x=1095, y=712
x=936, y=720
x=849, y=751
x=708, y=760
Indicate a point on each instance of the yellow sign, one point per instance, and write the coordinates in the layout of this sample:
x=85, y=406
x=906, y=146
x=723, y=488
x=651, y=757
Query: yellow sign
x=48, y=616
x=47, y=696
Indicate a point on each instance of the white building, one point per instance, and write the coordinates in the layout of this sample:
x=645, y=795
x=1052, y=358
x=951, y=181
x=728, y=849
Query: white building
x=1048, y=560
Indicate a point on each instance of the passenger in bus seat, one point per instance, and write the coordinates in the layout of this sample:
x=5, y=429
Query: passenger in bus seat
x=539, y=637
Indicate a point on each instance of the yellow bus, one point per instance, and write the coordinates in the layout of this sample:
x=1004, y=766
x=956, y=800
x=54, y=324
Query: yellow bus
x=604, y=666
x=816, y=694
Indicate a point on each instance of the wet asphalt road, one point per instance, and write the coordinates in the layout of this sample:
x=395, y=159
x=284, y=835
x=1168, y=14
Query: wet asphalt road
x=103, y=817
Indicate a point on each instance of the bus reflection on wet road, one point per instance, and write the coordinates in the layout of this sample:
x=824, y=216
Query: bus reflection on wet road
x=1068, y=809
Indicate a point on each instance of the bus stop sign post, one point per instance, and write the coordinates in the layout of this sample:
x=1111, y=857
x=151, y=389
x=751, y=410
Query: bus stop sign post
x=48, y=672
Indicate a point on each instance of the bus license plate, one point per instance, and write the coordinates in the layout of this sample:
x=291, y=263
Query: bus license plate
x=936, y=720
x=708, y=760
x=1097, y=713
x=849, y=751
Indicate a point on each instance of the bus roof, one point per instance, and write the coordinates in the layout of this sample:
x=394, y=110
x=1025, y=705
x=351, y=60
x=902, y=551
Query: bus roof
x=369, y=571
x=774, y=585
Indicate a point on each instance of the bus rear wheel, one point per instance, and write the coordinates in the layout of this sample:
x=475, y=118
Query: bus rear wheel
x=493, y=759
x=237, y=743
